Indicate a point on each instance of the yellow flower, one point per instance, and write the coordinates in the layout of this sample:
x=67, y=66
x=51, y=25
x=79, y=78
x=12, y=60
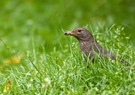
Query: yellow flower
x=6, y=88
x=14, y=59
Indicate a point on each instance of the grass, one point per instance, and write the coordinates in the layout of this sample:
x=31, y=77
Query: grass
x=64, y=72
x=36, y=57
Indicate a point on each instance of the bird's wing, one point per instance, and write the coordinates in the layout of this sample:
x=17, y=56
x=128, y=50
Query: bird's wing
x=103, y=53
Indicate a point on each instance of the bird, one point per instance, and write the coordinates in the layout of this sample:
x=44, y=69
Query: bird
x=89, y=46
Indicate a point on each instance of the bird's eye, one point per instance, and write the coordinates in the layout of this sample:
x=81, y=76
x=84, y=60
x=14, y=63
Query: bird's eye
x=79, y=30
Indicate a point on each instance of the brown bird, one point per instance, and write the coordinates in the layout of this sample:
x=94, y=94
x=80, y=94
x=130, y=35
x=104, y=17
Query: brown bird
x=89, y=46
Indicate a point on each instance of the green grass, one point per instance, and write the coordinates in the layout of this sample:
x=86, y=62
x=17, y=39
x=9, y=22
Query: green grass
x=67, y=72
x=50, y=62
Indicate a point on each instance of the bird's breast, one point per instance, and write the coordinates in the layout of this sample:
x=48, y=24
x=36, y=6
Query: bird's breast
x=85, y=47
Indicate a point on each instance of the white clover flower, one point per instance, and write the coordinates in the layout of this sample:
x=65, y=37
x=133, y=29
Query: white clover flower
x=47, y=80
x=46, y=83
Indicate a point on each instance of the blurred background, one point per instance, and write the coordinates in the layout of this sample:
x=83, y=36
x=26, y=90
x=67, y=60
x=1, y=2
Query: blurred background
x=35, y=53
x=44, y=22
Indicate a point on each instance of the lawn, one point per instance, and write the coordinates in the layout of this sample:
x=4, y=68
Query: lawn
x=36, y=58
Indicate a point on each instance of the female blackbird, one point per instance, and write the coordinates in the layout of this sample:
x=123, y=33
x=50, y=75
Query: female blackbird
x=89, y=46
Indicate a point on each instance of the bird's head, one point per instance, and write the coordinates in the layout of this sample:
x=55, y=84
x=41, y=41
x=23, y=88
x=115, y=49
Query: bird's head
x=81, y=34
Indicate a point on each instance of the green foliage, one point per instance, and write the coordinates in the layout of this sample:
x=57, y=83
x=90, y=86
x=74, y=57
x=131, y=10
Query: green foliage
x=37, y=58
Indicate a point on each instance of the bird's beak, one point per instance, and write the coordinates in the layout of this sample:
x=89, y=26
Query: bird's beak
x=69, y=33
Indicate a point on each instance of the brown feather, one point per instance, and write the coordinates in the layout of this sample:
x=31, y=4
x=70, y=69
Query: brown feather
x=89, y=46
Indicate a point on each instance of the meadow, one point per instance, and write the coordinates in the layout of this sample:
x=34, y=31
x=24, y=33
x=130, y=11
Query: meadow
x=36, y=58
